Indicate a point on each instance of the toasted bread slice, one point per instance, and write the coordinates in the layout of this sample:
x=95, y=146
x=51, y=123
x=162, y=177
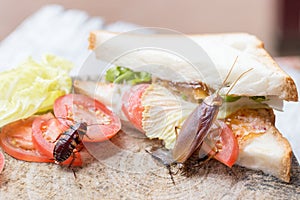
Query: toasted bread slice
x=262, y=147
x=199, y=58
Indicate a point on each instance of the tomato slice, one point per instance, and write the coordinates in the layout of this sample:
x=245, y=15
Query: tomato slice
x=45, y=131
x=229, y=152
x=1, y=161
x=102, y=123
x=16, y=140
x=132, y=105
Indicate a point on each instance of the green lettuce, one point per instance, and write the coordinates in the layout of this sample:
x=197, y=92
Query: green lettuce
x=125, y=75
x=32, y=87
x=230, y=107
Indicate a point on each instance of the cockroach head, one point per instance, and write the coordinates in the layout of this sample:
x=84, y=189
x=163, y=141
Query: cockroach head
x=84, y=123
x=214, y=100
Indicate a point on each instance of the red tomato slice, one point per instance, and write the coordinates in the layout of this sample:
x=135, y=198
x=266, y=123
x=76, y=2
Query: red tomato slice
x=132, y=105
x=1, y=161
x=45, y=131
x=16, y=140
x=230, y=148
x=102, y=123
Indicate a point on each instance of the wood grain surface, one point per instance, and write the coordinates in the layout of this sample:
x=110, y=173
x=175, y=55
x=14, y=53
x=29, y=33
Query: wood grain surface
x=123, y=170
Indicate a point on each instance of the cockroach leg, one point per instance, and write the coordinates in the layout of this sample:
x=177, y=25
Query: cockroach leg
x=56, y=138
x=176, y=131
x=71, y=163
x=215, y=150
x=163, y=156
x=74, y=173
x=171, y=174
x=88, y=137
x=78, y=149
x=180, y=167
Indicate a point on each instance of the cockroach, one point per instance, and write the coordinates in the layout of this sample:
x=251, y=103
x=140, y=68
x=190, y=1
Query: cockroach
x=195, y=128
x=69, y=142
x=198, y=124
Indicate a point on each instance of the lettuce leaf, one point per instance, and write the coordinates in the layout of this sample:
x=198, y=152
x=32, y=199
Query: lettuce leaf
x=163, y=112
x=32, y=87
x=121, y=75
x=254, y=102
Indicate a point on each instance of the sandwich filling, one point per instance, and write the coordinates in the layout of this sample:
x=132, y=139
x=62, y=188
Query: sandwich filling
x=168, y=104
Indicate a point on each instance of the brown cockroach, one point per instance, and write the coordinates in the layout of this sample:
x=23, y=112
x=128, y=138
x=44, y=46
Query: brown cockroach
x=69, y=142
x=198, y=124
x=196, y=127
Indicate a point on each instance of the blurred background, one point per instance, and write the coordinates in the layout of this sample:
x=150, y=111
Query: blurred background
x=276, y=22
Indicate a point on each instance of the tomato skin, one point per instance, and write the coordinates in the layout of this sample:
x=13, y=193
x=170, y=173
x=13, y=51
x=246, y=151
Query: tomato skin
x=230, y=148
x=16, y=140
x=2, y=161
x=132, y=105
x=46, y=129
x=103, y=124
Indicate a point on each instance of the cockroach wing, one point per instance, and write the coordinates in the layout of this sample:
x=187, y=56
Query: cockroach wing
x=194, y=130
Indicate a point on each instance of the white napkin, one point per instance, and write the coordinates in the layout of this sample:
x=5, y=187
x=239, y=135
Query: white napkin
x=288, y=122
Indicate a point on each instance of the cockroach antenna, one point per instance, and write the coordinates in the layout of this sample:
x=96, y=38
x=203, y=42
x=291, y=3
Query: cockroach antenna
x=227, y=76
x=235, y=82
x=229, y=73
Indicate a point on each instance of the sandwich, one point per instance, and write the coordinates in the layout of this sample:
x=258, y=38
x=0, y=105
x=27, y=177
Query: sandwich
x=173, y=75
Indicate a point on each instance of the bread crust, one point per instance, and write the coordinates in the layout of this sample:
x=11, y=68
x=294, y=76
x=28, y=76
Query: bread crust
x=283, y=168
x=287, y=159
x=92, y=40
